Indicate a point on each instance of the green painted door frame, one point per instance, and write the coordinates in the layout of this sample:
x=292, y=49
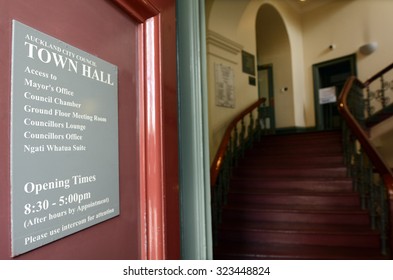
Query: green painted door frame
x=266, y=89
x=327, y=74
x=194, y=169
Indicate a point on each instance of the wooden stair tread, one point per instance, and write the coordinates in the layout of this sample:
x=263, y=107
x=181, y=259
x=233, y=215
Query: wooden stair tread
x=295, y=168
x=309, y=184
x=312, y=216
x=310, y=207
x=299, y=227
x=303, y=207
x=293, y=252
x=292, y=173
x=295, y=179
x=307, y=210
x=288, y=192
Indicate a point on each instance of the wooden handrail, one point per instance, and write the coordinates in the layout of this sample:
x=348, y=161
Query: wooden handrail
x=378, y=75
x=385, y=112
x=379, y=164
x=218, y=159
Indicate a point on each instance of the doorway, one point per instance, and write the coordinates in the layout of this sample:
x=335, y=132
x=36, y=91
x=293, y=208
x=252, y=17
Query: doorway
x=148, y=224
x=266, y=90
x=329, y=78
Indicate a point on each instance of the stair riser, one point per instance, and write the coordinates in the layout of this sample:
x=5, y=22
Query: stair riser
x=311, y=137
x=326, y=239
x=284, y=163
x=301, y=255
x=290, y=217
x=300, y=144
x=290, y=150
x=305, y=200
x=249, y=185
x=293, y=172
x=320, y=161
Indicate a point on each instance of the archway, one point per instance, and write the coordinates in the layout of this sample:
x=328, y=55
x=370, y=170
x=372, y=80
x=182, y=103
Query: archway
x=274, y=51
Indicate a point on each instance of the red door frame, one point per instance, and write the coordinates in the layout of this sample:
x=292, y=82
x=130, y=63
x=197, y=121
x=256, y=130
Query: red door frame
x=158, y=143
x=157, y=229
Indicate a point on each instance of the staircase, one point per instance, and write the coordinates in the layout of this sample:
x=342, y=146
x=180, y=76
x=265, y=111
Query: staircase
x=290, y=198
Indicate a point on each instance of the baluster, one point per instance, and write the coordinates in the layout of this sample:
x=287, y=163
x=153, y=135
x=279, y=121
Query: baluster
x=250, y=131
x=351, y=153
x=373, y=194
x=351, y=101
x=360, y=179
x=218, y=198
x=354, y=164
x=373, y=201
x=260, y=125
x=227, y=177
x=366, y=182
x=215, y=214
x=382, y=96
x=361, y=107
x=346, y=147
x=231, y=153
x=368, y=102
x=235, y=146
x=384, y=219
x=242, y=138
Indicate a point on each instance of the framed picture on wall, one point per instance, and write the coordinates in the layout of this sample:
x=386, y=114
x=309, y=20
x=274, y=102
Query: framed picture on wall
x=248, y=63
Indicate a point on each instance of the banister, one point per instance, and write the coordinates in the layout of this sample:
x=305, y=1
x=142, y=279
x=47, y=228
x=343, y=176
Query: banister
x=379, y=74
x=217, y=162
x=237, y=138
x=380, y=165
x=360, y=134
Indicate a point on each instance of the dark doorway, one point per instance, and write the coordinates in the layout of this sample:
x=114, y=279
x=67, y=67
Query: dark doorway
x=329, y=79
x=266, y=90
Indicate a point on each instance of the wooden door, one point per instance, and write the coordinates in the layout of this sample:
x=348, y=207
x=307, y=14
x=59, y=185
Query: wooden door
x=139, y=38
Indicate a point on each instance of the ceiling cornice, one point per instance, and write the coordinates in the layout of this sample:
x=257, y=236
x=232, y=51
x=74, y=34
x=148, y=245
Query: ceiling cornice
x=306, y=6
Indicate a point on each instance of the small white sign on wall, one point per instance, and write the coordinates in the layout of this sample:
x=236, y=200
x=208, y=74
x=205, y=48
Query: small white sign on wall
x=327, y=95
x=225, y=89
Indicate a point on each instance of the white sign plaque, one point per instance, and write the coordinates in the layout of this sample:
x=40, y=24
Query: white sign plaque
x=327, y=95
x=64, y=140
x=225, y=86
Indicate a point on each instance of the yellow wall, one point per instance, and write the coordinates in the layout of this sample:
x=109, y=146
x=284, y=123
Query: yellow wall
x=234, y=21
x=224, y=47
x=273, y=48
x=347, y=24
